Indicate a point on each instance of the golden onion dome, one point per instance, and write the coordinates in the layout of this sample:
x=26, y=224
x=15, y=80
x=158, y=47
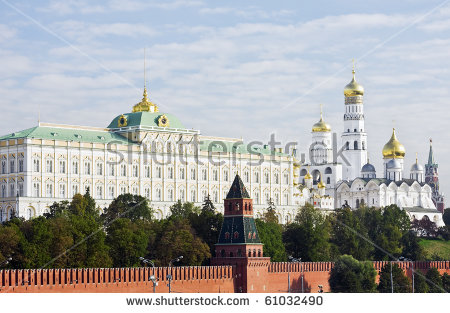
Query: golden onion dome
x=393, y=148
x=320, y=184
x=308, y=175
x=353, y=88
x=321, y=126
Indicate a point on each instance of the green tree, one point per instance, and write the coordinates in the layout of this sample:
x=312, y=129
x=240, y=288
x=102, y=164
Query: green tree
x=351, y=275
x=434, y=280
x=347, y=234
x=181, y=210
x=36, y=242
x=133, y=207
x=178, y=238
x=411, y=248
x=270, y=216
x=446, y=282
x=127, y=241
x=10, y=238
x=446, y=216
x=207, y=224
x=271, y=235
x=308, y=237
x=420, y=283
x=400, y=281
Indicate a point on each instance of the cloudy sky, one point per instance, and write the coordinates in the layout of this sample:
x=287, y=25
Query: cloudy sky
x=233, y=68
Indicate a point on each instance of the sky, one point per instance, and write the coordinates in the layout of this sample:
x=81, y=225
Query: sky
x=233, y=68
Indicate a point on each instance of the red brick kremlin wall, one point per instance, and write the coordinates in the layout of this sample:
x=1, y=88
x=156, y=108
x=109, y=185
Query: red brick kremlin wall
x=204, y=279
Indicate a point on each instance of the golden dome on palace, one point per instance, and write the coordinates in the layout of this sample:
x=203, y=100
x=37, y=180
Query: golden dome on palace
x=393, y=148
x=308, y=175
x=353, y=88
x=320, y=184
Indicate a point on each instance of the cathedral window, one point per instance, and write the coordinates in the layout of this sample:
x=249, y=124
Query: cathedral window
x=328, y=180
x=355, y=145
x=347, y=145
x=328, y=170
x=62, y=166
x=363, y=145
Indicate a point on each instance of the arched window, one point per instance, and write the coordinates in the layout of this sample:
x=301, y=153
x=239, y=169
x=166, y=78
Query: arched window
x=357, y=203
x=303, y=172
x=254, y=252
x=328, y=170
x=363, y=145
x=328, y=180
x=355, y=145
x=236, y=235
x=347, y=145
x=259, y=253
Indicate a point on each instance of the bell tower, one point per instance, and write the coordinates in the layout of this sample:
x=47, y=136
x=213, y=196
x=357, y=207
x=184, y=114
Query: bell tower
x=239, y=244
x=432, y=179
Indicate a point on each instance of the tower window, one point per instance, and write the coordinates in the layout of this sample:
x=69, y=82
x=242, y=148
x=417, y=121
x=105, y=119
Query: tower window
x=355, y=145
x=354, y=130
x=347, y=145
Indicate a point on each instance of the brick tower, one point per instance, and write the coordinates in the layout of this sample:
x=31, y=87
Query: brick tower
x=239, y=243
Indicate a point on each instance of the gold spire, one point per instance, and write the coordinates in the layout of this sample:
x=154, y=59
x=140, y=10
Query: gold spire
x=416, y=159
x=308, y=175
x=321, y=126
x=393, y=148
x=145, y=104
x=353, y=88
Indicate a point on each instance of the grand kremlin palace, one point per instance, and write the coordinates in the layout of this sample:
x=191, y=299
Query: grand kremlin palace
x=153, y=154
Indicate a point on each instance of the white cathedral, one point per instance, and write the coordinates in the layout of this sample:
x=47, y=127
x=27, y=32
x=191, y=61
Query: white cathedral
x=153, y=154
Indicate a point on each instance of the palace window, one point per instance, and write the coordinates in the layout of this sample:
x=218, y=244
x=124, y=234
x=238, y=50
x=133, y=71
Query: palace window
x=74, y=189
x=182, y=195
x=204, y=174
x=256, y=197
x=99, y=191
x=135, y=170
x=3, y=191
x=286, y=178
x=135, y=190
x=62, y=190
x=49, y=190
x=147, y=192
x=87, y=168
x=215, y=175
x=216, y=196
x=111, y=192
x=36, y=187
x=147, y=171
x=4, y=167
x=158, y=194
x=62, y=166
x=277, y=198
x=277, y=178
x=20, y=189
x=123, y=170
x=286, y=199
x=256, y=177
x=225, y=175
x=123, y=190
x=170, y=172
x=111, y=170
x=193, y=172
x=266, y=177
x=170, y=194
x=99, y=168
x=49, y=166
x=75, y=167
x=193, y=198
x=36, y=166
x=12, y=166
x=158, y=172
x=246, y=176
x=11, y=190
x=181, y=173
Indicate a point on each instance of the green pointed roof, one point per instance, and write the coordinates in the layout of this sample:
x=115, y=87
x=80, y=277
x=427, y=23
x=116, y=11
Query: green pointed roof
x=237, y=190
x=146, y=119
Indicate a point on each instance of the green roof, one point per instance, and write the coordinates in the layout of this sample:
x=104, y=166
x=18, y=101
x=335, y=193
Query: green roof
x=237, y=190
x=146, y=119
x=240, y=225
x=236, y=147
x=67, y=134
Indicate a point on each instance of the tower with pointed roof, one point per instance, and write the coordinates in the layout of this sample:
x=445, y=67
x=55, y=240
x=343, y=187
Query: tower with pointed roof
x=432, y=179
x=354, y=136
x=239, y=243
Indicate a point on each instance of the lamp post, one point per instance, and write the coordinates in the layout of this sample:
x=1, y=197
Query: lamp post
x=169, y=276
x=412, y=269
x=5, y=262
x=294, y=260
x=392, y=280
x=152, y=277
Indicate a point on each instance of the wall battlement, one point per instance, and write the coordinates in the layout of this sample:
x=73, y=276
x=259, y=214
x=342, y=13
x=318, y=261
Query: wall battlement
x=189, y=279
